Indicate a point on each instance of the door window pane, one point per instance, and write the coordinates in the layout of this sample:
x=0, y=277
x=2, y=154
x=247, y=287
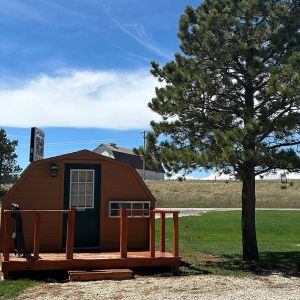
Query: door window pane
x=81, y=201
x=82, y=176
x=82, y=188
x=74, y=176
x=89, y=176
x=74, y=200
x=74, y=188
x=89, y=188
x=89, y=201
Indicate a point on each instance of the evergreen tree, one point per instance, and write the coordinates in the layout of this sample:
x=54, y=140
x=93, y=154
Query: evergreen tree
x=231, y=97
x=8, y=167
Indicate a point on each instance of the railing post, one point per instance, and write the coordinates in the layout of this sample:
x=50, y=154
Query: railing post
x=36, y=241
x=162, y=232
x=152, y=233
x=70, y=233
x=175, y=234
x=7, y=235
x=123, y=233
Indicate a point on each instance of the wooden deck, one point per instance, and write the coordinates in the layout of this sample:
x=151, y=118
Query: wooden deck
x=85, y=261
x=71, y=260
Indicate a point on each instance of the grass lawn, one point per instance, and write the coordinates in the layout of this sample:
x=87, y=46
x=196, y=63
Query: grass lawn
x=200, y=193
x=11, y=288
x=212, y=243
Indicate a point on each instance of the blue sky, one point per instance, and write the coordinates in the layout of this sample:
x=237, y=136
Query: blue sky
x=79, y=70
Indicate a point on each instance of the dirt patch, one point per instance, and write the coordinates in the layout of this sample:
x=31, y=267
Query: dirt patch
x=210, y=258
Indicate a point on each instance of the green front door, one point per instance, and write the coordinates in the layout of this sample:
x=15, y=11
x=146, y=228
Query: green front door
x=82, y=191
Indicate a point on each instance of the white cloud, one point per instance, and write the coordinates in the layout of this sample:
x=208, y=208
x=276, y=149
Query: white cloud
x=100, y=99
x=139, y=34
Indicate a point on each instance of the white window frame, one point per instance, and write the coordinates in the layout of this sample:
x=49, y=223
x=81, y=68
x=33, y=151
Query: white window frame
x=93, y=192
x=145, y=215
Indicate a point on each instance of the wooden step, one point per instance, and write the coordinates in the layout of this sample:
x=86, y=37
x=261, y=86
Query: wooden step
x=89, y=275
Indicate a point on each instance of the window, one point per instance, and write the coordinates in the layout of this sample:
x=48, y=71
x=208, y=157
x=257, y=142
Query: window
x=82, y=188
x=115, y=208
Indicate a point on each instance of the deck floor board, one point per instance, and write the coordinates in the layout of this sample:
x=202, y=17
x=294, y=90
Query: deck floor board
x=92, y=255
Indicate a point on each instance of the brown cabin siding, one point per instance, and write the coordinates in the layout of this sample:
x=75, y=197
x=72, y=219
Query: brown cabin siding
x=36, y=189
x=120, y=182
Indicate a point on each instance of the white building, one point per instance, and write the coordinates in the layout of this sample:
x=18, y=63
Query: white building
x=128, y=156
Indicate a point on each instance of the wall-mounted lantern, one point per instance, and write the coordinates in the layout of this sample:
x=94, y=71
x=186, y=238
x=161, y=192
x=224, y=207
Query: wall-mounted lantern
x=54, y=169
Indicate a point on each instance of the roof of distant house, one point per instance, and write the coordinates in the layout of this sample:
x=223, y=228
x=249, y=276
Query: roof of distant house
x=128, y=156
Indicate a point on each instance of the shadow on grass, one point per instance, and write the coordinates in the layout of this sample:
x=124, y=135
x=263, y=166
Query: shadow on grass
x=185, y=269
x=284, y=263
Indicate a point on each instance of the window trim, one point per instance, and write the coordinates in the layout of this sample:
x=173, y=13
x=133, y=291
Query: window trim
x=130, y=202
x=93, y=193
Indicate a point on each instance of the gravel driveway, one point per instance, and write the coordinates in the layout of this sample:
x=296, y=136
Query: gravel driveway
x=181, y=287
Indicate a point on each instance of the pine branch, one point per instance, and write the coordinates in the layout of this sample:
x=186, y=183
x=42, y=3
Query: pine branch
x=285, y=144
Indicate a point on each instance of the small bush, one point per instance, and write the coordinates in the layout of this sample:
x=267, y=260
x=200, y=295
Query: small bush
x=283, y=187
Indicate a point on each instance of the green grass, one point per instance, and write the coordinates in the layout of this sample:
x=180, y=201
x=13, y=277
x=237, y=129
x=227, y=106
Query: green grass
x=12, y=288
x=269, y=194
x=212, y=243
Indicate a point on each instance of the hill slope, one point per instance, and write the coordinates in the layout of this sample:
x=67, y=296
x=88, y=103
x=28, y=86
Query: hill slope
x=173, y=193
x=269, y=194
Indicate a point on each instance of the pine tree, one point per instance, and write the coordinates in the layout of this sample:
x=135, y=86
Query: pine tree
x=231, y=97
x=8, y=165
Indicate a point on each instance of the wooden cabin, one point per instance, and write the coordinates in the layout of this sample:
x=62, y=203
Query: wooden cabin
x=112, y=209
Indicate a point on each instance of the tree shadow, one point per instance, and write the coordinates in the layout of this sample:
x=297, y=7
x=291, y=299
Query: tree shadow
x=284, y=263
x=190, y=269
x=184, y=270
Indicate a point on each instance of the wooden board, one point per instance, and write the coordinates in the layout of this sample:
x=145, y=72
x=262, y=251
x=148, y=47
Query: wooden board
x=79, y=275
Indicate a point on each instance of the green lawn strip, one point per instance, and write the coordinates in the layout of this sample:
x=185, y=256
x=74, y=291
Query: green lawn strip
x=212, y=243
x=12, y=288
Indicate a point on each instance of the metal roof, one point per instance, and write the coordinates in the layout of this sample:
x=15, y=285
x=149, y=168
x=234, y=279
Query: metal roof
x=128, y=156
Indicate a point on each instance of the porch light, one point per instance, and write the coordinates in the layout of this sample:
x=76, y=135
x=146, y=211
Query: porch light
x=54, y=169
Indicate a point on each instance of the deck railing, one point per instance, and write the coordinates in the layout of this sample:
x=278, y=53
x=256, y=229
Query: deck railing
x=71, y=229
x=37, y=225
x=151, y=213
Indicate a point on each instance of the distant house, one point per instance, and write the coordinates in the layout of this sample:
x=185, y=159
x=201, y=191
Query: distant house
x=129, y=157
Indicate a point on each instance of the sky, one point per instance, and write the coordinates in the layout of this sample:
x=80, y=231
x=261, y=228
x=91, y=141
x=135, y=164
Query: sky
x=80, y=69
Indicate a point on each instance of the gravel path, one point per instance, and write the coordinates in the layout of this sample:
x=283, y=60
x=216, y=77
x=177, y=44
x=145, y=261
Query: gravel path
x=182, y=287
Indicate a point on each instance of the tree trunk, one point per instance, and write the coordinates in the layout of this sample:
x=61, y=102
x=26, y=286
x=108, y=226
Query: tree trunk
x=1, y=165
x=250, y=250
